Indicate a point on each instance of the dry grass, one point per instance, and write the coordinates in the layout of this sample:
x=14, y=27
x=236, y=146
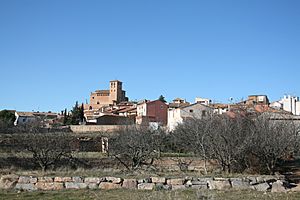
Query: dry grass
x=157, y=195
x=75, y=154
x=96, y=172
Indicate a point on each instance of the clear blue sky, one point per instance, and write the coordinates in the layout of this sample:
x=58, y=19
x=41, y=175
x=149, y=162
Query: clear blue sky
x=54, y=52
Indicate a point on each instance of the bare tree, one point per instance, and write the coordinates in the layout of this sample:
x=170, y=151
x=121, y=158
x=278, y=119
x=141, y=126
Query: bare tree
x=47, y=149
x=192, y=136
x=229, y=140
x=134, y=146
x=274, y=140
x=219, y=137
x=235, y=141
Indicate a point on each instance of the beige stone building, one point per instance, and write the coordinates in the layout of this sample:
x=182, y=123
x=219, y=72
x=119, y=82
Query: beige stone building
x=182, y=114
x=102, y=98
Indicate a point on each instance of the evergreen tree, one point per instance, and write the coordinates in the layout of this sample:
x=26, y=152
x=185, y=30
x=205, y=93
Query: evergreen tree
x=65, y=117
x=162, y=98
x=76, y=115
x=7, y=117
x=82, y=113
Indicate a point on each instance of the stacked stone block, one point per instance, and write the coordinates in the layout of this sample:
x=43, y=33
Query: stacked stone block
x=29, y=183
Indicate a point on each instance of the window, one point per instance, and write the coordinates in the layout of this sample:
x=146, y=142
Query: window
x=91, y=108
x=203, y=113
x=191, y=111
x=93, y=97
x=260, y=98
x=97, y=102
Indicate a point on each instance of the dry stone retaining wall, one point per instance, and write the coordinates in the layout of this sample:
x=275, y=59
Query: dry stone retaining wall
x=258, y=183
x=95, y=128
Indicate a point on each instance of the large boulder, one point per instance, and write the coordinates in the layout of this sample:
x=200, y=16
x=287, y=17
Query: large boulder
x=49, y=186
x=177, y=181
x=262, y=187
x=296, y=188
x=113, y=180
x=221, y=179
x=93, y=186
x=199, y=182
x=146, y=186
x=266, y=178
x=77, y=179
x=196, y=184
x=240, y=184
x=141, y=181
x=63, y=179
x=219, y=185
x=129, y=183
x=27, y=179
x=8, y=181
x=26, y=186
x=45, y=179
x=109, y=186
x=278, y=187
x=73, y=185
x=204, y=179
x=158, y=180
x=92, y=180
x=252, y=180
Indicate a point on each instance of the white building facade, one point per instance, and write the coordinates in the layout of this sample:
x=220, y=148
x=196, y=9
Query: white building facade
x=24, y=117
x=291, y=104
x=203, y=101
x=177, y=116
x=288, y=103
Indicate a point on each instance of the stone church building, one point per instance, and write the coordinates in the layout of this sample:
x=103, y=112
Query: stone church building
x=102, y=98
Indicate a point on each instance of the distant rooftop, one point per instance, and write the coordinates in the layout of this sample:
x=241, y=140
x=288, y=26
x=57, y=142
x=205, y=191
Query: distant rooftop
x=102, y=91
x=115, y=81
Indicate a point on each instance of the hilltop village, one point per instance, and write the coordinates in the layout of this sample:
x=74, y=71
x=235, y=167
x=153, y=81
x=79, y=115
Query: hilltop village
x=112, y=134
x=112, y=107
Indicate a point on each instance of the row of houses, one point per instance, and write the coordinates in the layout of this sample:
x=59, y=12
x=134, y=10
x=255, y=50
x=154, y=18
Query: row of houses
x=112, y=107
x=48, y=118
x=111, y=110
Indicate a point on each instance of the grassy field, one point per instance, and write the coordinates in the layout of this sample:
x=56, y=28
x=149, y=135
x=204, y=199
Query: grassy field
x=136, y=194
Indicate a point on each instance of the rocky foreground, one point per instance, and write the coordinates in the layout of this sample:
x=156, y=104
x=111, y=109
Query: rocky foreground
x=258, y=183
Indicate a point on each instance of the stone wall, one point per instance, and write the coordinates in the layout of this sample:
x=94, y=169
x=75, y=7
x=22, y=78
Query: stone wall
x=185, y=164
x=95, y=128
x=258, y=183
